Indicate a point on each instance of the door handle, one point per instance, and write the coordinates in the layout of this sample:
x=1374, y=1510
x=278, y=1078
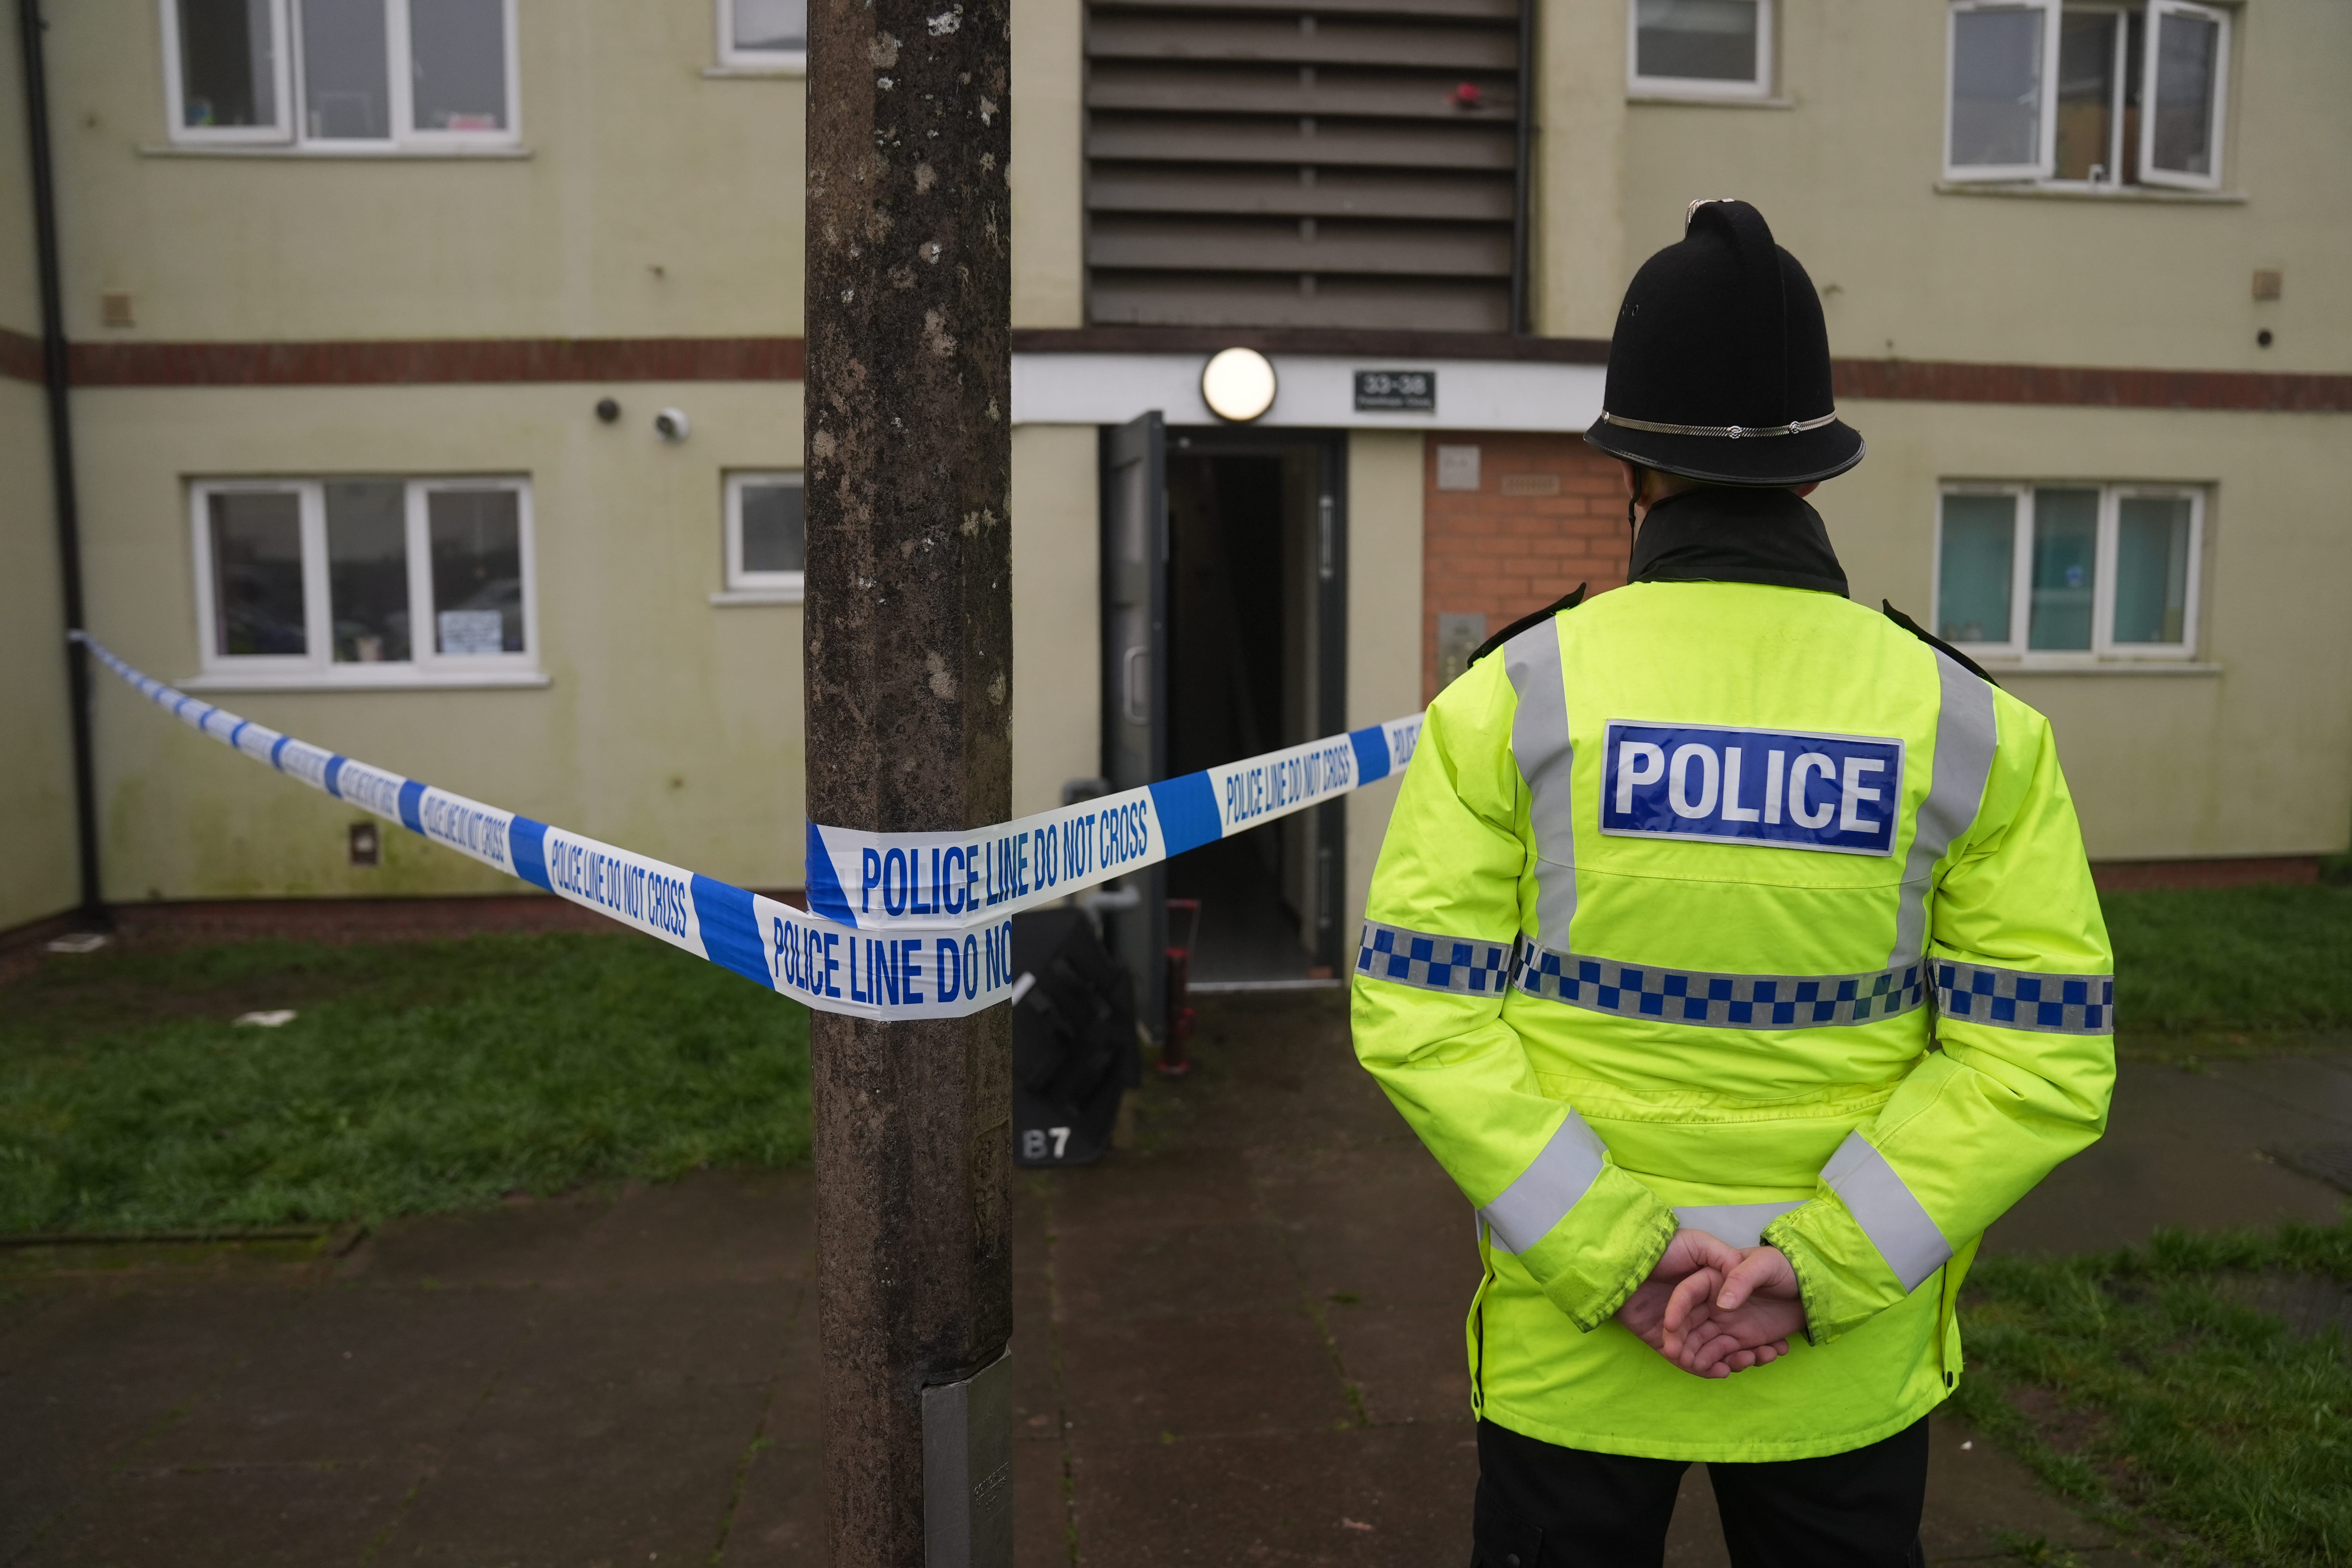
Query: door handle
x=1133, y=679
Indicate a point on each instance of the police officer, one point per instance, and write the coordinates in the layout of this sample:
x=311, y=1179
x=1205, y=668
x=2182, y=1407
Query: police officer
x=1733, y=948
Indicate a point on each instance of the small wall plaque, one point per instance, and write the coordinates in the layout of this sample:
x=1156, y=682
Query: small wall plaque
x=1396, y=391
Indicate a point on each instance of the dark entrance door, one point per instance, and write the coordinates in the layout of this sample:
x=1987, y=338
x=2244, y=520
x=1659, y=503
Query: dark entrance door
x=1256, y=660
x=1135, y=677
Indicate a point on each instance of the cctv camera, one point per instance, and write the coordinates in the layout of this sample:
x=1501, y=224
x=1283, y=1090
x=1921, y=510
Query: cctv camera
x=672, y=424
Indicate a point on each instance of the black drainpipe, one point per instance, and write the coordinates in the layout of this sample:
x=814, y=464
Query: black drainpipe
x=61, y=465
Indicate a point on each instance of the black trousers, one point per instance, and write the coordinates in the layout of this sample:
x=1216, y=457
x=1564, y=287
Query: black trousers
x=1541, y=1506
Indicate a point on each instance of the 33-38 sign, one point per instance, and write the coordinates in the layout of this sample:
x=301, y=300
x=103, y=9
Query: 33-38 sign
x=1396, y=391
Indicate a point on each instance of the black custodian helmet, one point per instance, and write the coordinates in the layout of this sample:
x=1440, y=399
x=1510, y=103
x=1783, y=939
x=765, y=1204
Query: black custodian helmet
x=1719, y=368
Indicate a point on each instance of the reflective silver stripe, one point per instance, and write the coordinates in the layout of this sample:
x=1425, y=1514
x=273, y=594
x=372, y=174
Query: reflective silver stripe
x=2020, y=999
x=1545, y=1192
x=1893, y=1219
x=1966, y=734
x=1540, y=745
x=1728, y=432
x=1466, y=966
x=1735, y=1225
x=1715, y=1001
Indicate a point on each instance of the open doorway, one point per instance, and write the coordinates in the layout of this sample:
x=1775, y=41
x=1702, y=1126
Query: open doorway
x=1256, y=661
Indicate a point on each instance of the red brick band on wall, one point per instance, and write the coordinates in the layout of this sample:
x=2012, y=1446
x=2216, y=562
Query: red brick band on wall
x=413, y=362
x=1932, y=381
x=21, y=357
x=428, y=360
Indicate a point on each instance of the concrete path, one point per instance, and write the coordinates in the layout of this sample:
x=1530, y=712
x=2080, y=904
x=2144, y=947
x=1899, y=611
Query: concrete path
x=1238, y=1342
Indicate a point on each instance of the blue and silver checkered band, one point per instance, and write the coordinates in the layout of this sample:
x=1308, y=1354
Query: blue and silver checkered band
x=1708, y=1000
x=1466, y=966
x=2019, y=999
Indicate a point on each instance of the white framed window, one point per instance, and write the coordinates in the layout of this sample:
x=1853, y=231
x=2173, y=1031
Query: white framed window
x=365, y=580
x=767, y=536
x=2096, y=96
x=2065, y=574
x=763, y=34
x=1699, y=48
x=341, y=75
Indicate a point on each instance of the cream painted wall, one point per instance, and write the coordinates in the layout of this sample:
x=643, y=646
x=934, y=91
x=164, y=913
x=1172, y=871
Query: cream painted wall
x=1847, y=176
x=1049, y=278
x=612, y=224
x=1577, y=265
x=2256, y=760
x=37, y=873
x=1384, y=496
x=671, y=726
x=20, y=287
x=1057, y=612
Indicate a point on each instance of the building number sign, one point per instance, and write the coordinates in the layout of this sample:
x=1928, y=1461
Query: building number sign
x=1396, y=391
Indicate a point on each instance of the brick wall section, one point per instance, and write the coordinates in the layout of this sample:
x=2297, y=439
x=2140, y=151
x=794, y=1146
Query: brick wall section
x=413, y=362
x=1501, y=555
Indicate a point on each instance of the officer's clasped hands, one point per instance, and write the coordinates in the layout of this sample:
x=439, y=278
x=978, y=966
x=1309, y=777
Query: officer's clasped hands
x=1714, y=1310
x=1719, y=1322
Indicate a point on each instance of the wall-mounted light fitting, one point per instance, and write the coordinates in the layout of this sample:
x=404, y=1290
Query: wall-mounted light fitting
x=672, y=424
x=1238, y=385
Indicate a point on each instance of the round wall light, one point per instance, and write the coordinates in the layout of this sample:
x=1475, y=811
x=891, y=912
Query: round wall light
x=1238, y=385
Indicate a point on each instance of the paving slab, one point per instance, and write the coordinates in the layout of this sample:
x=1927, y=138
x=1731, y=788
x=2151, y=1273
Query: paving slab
x=575, y=1475
x=334, y=1376
x=2186, y=1147
x=1396, y=1495
x=260, y=1516
x=778, y=1519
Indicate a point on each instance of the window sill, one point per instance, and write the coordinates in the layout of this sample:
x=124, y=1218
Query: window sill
x=722, y=73
x=2004, y=669
x=416, y=680
x=1708, y=99
x=2088, y=193
x=285, y=150
x=733, y=596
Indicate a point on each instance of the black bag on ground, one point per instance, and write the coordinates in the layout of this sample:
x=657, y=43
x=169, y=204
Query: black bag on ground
x=1073, y=1042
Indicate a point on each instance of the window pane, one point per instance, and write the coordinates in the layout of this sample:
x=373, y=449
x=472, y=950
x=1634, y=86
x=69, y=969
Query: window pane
x=346, y=92
x=2065, y=568
x=256, y=541
x=771, y=24
x=1996, y=87
x=227, y=63
x=2152, y=569
x=2187, y=73
x=1706, y=40
x=460, y=52
x=1979, y=565
x=772, y=527
x=367, y=570
x=477, y=541
x=2087, y=94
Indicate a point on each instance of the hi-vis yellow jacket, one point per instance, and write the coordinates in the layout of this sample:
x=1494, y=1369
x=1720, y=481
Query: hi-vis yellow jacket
x=1742, y=908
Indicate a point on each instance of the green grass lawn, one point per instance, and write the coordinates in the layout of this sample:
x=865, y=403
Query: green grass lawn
x=419, y=1076
x=2152, y=1389
x=2232, y=967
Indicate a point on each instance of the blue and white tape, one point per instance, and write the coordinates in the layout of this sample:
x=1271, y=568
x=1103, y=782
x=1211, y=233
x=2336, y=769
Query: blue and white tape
x=901, y=925
x=931, y=881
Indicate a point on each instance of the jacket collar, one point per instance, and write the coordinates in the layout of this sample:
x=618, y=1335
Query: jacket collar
x=1723, y=533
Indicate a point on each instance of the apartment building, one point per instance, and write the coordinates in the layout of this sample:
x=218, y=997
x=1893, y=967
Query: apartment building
x=436, y=396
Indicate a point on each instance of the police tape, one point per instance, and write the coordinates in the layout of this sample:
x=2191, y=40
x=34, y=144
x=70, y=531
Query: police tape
x=930, y=881
x=945, y=899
